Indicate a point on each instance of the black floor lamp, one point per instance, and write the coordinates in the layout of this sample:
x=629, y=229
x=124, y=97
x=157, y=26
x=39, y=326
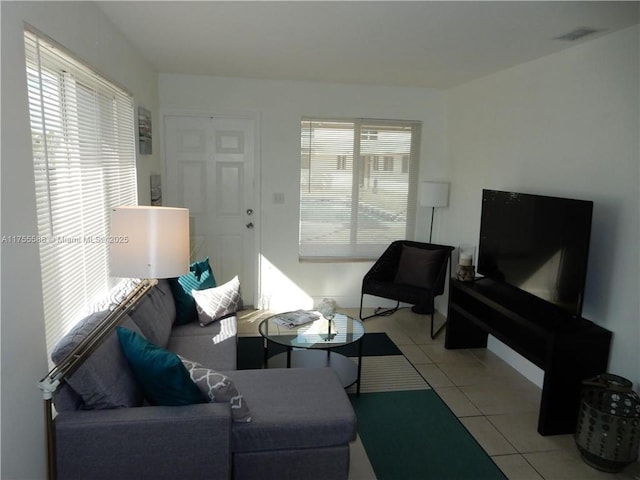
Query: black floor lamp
x=434, y=194
x=144, y=242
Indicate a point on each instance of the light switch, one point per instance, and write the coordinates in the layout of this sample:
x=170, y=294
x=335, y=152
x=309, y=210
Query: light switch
x=278, y=198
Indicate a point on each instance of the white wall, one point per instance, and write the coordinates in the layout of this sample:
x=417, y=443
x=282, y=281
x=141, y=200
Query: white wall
x=83, y=29
x=281, y=105
x=564, y=125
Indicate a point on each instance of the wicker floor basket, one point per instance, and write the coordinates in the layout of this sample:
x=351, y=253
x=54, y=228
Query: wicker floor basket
x=608, y=430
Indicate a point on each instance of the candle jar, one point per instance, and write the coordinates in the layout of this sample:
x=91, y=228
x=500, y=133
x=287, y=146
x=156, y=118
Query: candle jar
x=466, y=273
x=466, y=270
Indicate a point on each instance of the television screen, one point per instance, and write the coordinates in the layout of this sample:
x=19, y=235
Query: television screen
x=538, y=244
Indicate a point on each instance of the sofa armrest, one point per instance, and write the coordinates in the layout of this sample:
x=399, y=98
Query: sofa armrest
x=192, y=441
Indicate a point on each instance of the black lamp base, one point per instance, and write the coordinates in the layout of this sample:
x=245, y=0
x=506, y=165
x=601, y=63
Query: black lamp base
x=422, y=309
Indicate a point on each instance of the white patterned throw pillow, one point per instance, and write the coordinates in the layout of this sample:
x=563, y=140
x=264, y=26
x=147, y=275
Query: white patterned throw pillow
x=217, y=387
x=215, y=303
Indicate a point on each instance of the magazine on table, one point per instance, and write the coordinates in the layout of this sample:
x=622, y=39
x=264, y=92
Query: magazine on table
x=297, y=318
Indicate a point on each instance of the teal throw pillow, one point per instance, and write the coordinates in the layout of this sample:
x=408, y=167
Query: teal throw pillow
x=160, y=373
x=200, y=277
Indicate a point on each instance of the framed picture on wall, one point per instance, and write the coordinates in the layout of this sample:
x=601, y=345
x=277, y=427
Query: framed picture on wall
x=144, y=131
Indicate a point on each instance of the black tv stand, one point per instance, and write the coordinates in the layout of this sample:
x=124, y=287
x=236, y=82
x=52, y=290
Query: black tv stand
x=568, y=349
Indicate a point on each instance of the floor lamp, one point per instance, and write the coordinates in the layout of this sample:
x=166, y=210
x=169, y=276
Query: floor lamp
x=434, y=194
x=144, y=242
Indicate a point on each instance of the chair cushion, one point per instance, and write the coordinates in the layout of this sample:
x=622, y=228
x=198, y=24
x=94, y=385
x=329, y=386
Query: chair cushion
x=398, y=291
x=419, y=267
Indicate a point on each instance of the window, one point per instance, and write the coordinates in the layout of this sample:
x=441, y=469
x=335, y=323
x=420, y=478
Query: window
x=405, y=164
x=83, y=141
x=368, y=134
x=355, y=212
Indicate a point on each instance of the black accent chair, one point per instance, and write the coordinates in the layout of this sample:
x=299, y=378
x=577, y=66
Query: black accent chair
x=409, y=272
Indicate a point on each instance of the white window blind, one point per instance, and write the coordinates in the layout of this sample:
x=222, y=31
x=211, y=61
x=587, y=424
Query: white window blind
x=358, y=183
x=82, y=129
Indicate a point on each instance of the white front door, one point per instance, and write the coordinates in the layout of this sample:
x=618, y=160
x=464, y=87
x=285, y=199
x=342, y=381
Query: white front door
x=210, y=170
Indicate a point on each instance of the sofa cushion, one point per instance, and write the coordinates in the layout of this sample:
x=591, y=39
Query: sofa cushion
x=214, y=345
x=215, y=303
x=293, y=408
x=200, y=276
x=155, y=314
x=104, y=379
x=218, y=387
x=217, y=331
x=160, y=373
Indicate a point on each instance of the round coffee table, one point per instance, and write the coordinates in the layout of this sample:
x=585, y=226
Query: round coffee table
x=310, y=345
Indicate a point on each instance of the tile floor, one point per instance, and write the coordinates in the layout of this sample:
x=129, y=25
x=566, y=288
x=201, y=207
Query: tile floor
x=496, y=404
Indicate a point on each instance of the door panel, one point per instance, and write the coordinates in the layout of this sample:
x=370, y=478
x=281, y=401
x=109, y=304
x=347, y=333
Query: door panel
x=193, y=187
x=210, y=169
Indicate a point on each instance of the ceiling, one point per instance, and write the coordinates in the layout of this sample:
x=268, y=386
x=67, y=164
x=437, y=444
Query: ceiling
x=396, y=43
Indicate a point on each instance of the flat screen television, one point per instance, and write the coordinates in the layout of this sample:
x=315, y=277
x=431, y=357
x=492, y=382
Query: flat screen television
x=538, y=244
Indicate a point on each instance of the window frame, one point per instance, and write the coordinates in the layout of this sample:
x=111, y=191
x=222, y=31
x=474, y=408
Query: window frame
x=365, y=129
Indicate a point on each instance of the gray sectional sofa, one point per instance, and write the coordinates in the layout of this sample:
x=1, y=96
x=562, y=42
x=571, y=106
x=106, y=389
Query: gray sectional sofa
x=302, y=420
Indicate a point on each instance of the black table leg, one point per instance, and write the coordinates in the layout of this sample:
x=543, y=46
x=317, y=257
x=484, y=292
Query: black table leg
x=359, y=365
x=265, y=349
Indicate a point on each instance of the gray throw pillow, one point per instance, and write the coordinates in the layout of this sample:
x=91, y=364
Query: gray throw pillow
x=217, y=387
x=418, y=267
x=104, y=380
x=115, y=296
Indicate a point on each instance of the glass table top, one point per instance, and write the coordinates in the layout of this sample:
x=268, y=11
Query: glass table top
x=319, y=334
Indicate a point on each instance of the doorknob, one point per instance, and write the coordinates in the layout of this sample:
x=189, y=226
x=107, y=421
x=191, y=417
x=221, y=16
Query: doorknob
x=249, y=211
x=250, y=225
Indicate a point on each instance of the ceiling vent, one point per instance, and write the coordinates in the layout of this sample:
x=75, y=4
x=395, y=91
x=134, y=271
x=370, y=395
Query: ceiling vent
x=577, y=34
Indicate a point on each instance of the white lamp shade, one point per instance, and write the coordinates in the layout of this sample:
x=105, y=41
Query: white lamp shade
x=434, y=194
x=149, y=242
